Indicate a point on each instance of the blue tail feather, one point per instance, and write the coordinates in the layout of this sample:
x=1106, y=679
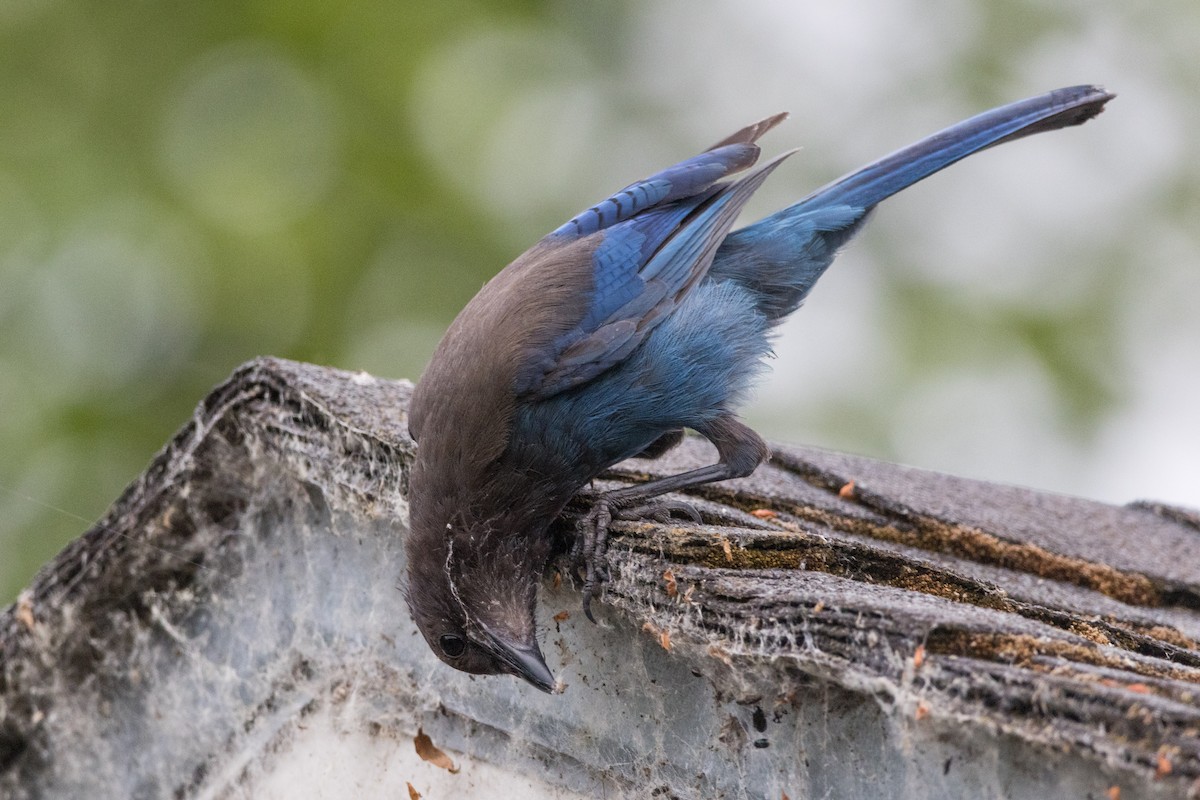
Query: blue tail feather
x=881, y=179
x=780, y=257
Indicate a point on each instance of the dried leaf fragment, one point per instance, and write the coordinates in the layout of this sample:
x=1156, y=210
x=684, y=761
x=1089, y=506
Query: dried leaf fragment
x=919, y=656
x=413, y=794
x=662, y=634
x=430, y=752
x=672, y=586
x=24, y=612
x=728, y=548
x=720, y=654
x=1113, y=793
x=922, y=710
x=819, y=607
x=1163, y=765
x=847, y=491
x=562, y=616
x=764, y=513
x=557, y=584
x=1139, y=688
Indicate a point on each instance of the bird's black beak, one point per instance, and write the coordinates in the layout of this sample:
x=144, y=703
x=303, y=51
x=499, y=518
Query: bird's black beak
x=525, y=661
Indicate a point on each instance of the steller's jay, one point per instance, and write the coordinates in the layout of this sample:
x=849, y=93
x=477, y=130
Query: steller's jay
x=640, y=317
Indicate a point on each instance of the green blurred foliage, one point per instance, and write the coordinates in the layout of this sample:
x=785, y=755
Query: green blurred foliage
x=198, y=184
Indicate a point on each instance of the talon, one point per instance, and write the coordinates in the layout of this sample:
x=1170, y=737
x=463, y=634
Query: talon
x=590, y=550
x=587, y=603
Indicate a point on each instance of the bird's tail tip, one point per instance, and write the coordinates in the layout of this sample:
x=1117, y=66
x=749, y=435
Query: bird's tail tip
x=752, y=132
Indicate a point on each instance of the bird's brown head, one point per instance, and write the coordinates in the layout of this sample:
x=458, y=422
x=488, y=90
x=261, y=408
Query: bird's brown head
x=472, y=590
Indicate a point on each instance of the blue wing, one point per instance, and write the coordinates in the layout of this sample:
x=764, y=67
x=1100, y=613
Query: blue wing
x=650, y=244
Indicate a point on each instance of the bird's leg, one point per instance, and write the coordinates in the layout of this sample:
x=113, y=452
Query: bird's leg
x=739, y=451
x=586, y=542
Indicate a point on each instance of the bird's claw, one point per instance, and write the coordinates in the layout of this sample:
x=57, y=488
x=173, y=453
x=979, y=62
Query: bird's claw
x=590, y=550
x=660, y=510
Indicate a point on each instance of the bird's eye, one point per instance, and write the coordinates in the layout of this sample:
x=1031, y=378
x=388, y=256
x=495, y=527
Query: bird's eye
x=452, y=644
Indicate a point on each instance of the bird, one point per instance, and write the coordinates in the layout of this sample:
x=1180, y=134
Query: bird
x=639, y=318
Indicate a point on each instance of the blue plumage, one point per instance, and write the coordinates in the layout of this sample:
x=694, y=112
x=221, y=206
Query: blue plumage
x=687, y=179
x=645, y=261
x=639, y=317
x=780, y=258
x=697, y=364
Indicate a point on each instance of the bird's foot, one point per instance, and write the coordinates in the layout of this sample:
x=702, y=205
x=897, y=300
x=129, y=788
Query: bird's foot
x=660, y=510
x=590, y=551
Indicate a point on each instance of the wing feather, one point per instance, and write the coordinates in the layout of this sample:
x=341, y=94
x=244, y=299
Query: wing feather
x=643, y=268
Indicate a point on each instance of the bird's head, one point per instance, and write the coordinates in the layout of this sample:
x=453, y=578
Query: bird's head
x=473, y=595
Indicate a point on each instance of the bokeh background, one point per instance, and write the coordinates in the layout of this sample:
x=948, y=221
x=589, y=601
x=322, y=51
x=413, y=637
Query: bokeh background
x=184, y=186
